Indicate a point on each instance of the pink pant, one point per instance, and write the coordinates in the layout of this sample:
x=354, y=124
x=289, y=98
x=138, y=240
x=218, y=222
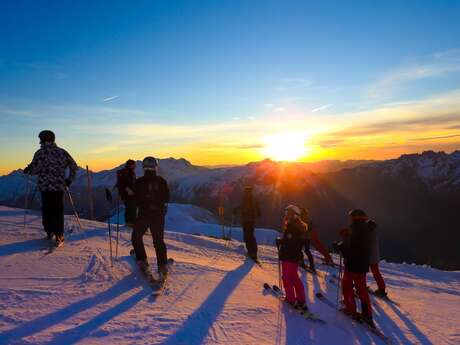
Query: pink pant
x=292, y=284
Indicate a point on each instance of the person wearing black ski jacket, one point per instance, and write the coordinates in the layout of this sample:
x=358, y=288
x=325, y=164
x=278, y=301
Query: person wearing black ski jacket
x=356, y=250
x=51, y=163
x=126, y=179
x=151, y=194
x=249, y=211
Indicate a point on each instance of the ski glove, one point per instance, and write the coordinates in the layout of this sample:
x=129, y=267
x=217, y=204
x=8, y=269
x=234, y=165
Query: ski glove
x=68, y=182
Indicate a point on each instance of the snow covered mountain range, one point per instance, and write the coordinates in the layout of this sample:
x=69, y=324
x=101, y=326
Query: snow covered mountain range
x=413, y=198
x=214, y=295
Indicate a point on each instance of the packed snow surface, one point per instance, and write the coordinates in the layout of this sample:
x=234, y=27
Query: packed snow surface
x=214, y=295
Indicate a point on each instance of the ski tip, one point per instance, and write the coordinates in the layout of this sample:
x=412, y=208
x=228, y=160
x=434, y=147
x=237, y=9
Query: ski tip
x=266, y=286
x=170, y=260
x=276, y=288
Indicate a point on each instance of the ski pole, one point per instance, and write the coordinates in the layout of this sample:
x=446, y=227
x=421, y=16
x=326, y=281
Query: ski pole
x=108, y=196
x=73, y=208
x=339, y=283
x=26, y=201
x=110, y=241
x=118, y=225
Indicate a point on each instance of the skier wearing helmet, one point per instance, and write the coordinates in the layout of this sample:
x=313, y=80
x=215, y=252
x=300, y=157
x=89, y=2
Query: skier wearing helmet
x=290, y=253
x=151, y=194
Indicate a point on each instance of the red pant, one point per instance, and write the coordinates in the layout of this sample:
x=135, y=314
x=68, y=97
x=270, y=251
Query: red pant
x=320, y=247
x=378, y=277
x=359, y=281
x=292, y=284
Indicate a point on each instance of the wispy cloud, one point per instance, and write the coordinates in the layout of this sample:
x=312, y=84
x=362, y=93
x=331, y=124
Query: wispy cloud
x=323, y=107
x=111, y=98
x=433, y=66
x=435, y=137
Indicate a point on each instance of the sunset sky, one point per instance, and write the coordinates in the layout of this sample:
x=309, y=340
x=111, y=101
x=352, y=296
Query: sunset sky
x=223, y=82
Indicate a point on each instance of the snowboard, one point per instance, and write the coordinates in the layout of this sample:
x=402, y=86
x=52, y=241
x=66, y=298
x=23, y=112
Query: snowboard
x=373, y=330
x=276, y=291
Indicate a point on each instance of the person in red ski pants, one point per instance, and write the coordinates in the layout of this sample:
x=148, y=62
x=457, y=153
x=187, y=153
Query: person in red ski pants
x=374, y=261
x=355, y=248
x=290, y=253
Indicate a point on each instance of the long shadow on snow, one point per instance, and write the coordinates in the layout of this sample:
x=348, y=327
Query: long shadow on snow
x=43, y=322
x=78, y=333
x=195, y=329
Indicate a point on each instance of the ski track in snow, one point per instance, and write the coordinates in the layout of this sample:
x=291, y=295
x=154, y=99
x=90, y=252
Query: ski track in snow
x=214, y=296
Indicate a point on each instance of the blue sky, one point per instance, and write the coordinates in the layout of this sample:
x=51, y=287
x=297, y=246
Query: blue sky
x=100, y=73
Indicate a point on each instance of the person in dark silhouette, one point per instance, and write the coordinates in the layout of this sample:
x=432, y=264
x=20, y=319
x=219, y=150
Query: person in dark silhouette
x=375, y=259
x=50, y=163
x=249, y=211
x=126, y=179
x=356, y=249
x=151, y=193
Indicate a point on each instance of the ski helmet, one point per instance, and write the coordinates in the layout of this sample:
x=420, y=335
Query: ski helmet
x=130, y=162
x=357, y=214
x=47, y=136
x=149, y=163
x=293, y=208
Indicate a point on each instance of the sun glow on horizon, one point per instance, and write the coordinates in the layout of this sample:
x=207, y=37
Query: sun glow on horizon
x=287, y=146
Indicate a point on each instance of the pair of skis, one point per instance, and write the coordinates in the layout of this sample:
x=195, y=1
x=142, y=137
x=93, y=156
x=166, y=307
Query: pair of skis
x=274, y=290
x=157, y=285
x=373, y=330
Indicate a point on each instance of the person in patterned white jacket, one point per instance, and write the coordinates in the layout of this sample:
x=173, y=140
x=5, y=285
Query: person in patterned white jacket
x=50, y=163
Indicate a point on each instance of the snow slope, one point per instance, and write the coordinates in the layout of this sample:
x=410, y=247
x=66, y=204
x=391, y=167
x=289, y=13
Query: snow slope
x=75, y=295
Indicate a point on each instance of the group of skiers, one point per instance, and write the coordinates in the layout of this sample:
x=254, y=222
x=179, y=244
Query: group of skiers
x=145, y=199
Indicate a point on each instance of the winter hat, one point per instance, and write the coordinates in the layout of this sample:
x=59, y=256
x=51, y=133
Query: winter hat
x=47, y=136
x=294, y=209
x=149, y=163
x=357, y=214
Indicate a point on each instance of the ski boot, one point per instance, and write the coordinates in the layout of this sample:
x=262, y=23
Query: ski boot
x=49, y=236
x=143, y=266
x=163, y=272
x=302, y=306
x=367, y=320
x=312, y=269
x=380, y=293
x=59, y=240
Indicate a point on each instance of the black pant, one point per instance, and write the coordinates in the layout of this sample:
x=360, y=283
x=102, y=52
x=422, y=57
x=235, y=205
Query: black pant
x=156, y=223
x=130, y=210
x=53, y=212
x=309, y=254
x=249, y=238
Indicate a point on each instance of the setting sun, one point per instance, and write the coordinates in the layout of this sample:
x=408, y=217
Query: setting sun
x=286, y=146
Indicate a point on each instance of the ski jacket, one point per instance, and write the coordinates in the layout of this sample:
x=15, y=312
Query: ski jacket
x=356, y=246
x=374, y=243
x=126, y=180
x=151, y=193
x=249, y=209
x=293, y=240
x=50, y=163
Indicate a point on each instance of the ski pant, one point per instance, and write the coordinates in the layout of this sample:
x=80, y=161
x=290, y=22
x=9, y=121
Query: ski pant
x=321, y=248
x=359, y=281
x=378, y=276
x=53, y=212
x=156, y=223
x=130, y=210
x=292, y=284
x=309, y=254
x=249, y=238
